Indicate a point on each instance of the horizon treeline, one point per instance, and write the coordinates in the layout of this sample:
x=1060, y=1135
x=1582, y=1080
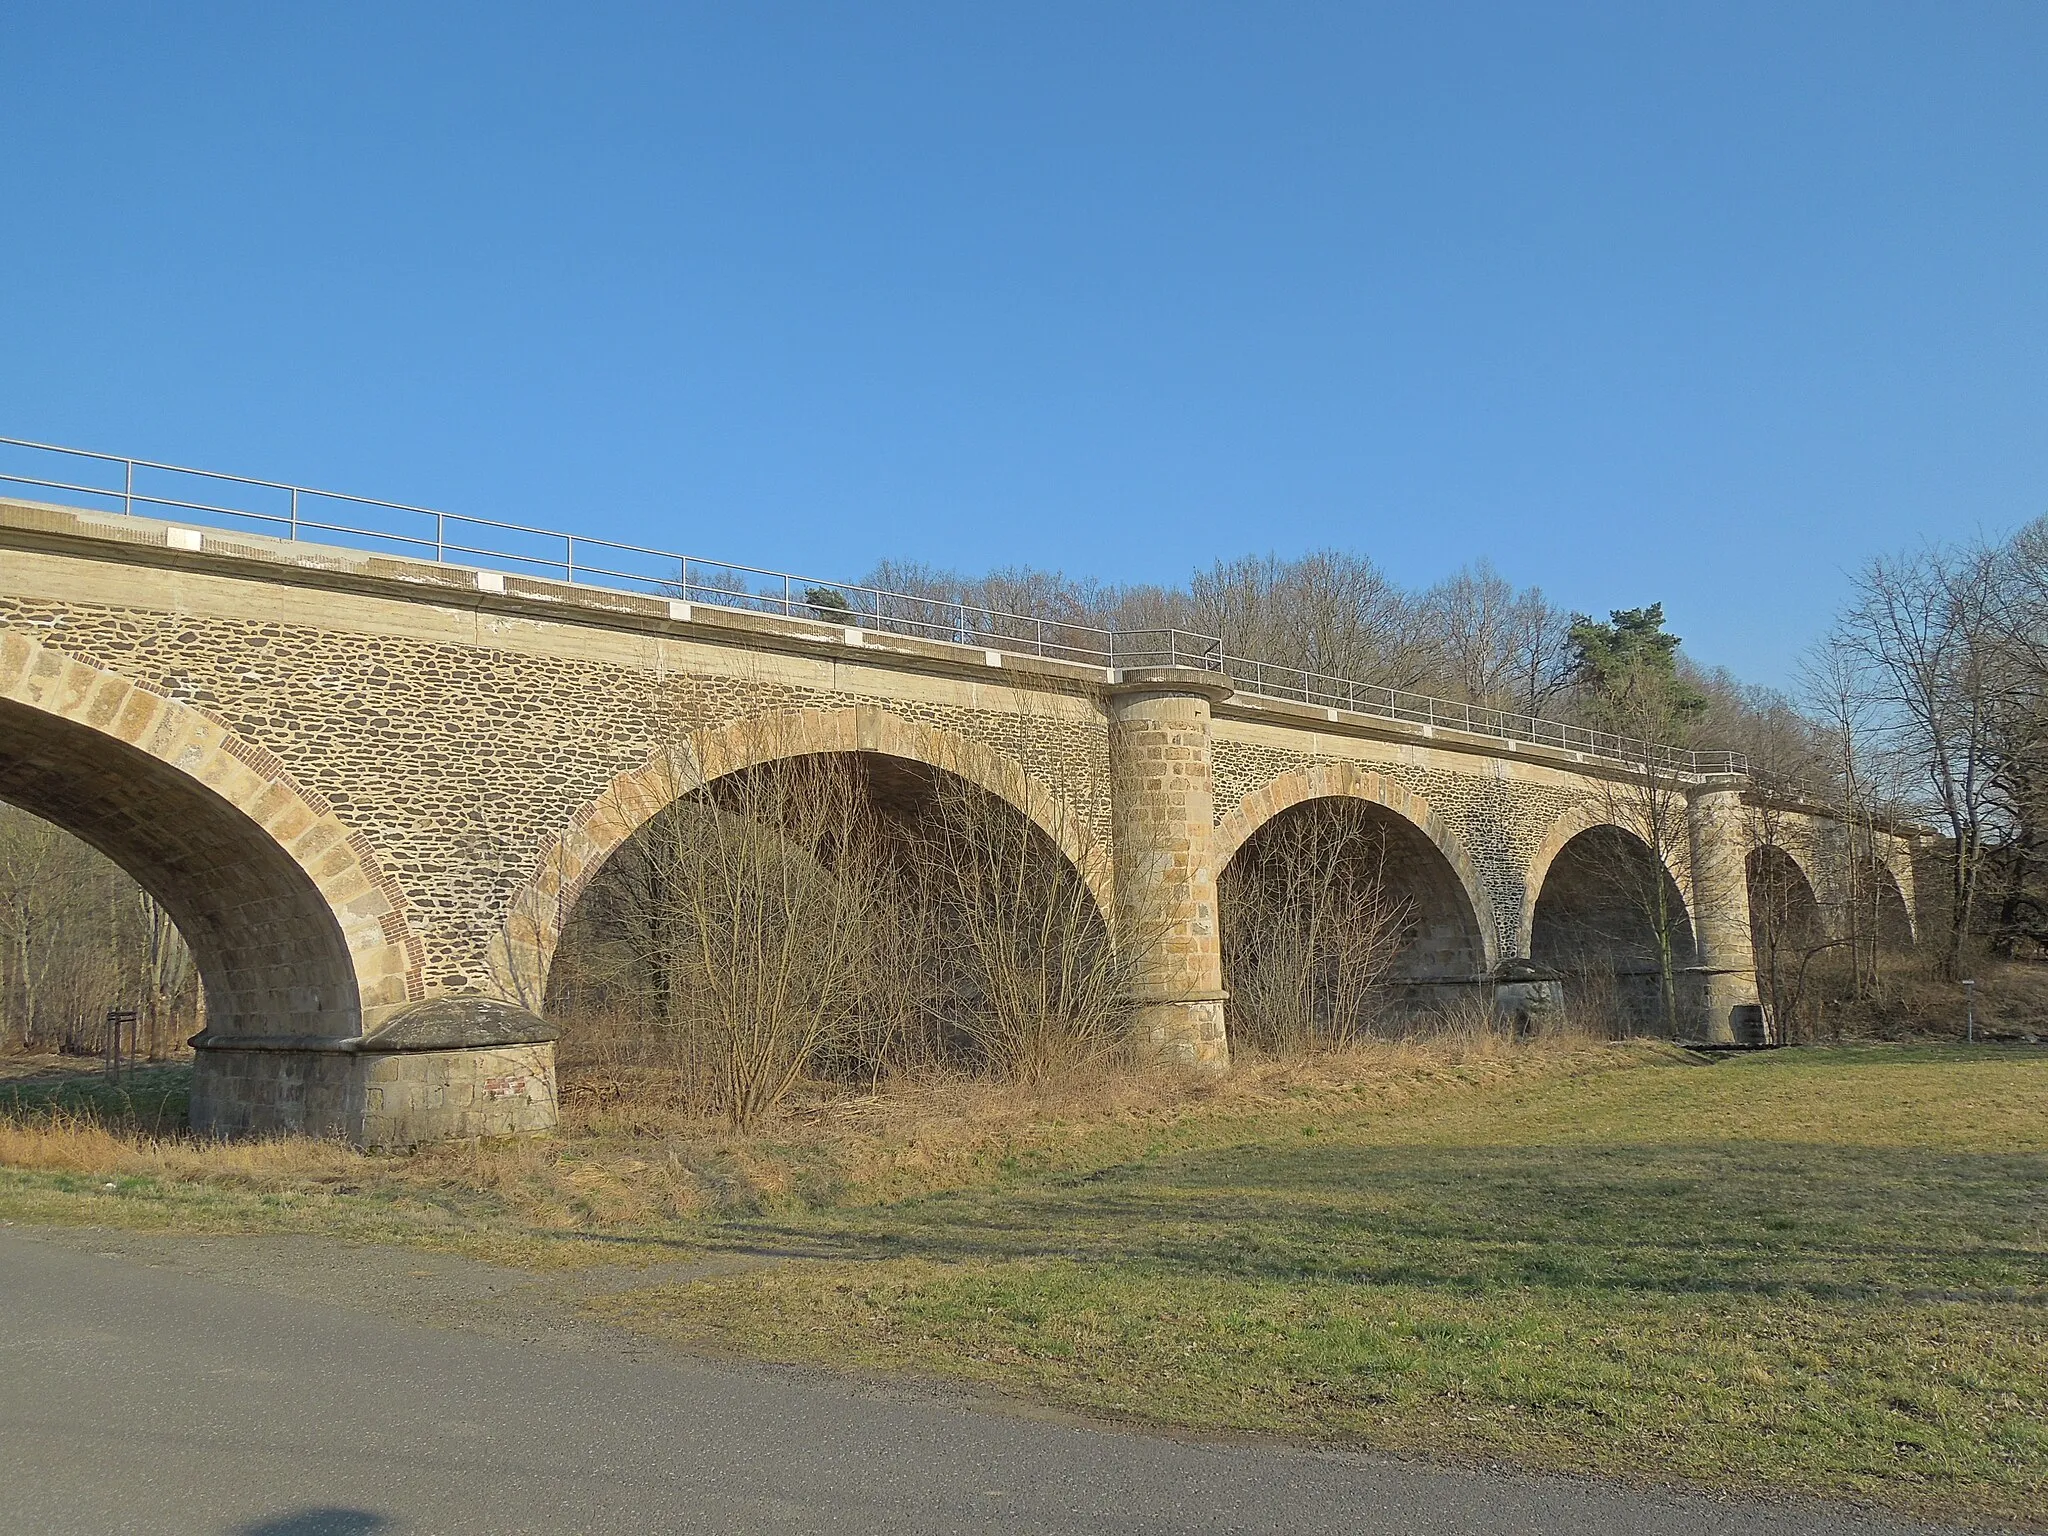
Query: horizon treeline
x=1926, y=701
x=1473, y=638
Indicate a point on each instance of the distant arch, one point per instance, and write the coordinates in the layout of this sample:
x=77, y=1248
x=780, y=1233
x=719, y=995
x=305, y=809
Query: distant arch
x=1785, y=919
x=1887, y=904
x=295, y=928
x=1563, y=829
x=1594, y=918
x=1346, y=781
x=523, y=951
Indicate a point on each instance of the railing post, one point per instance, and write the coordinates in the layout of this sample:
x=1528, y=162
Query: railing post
x=128, y=489
x=440, y=541
x=569, y=554
x=295, y=512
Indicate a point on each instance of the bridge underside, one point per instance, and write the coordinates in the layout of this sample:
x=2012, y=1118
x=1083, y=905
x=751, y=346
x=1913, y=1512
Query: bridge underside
x=269, y=951
x=1607, y=915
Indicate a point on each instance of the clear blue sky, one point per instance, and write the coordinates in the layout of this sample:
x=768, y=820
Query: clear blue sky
x=1696, y=303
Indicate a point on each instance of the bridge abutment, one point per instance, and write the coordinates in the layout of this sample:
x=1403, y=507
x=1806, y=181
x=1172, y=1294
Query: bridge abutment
x=452, y=1068
x=1162, y=815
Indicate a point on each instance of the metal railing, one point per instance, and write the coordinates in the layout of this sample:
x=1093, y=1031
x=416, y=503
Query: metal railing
x=298, y=512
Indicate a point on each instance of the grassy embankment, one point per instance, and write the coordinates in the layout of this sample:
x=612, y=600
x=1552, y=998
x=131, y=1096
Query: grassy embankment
x=1821, y=1271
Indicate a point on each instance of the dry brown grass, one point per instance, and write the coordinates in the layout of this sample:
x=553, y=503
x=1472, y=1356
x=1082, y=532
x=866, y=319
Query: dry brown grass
x=637, y=1156
x=936, y=1129
x=70, y=1143
x=1911, y=1003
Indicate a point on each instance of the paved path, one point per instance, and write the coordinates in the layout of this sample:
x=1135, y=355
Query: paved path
x=138, y=1396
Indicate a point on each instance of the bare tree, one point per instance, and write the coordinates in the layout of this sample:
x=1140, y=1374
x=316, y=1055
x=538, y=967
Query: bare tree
x=1326, y=612
x=1921, y=626
x=1311, y=930
x=78, y=937
x=765, y=903
x=1491, y=645
x=1651, y=866
x=36, y=906
x=847, y=916
x=2020, y=725
x=1631, y=685
x=168, y=973
x=1860, y=781
x=1790, y=937
x=1035, y=983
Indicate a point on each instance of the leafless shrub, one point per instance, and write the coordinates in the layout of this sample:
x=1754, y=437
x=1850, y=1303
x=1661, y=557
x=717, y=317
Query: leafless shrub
x=1033, y=982
x=743, y=925
x=1593, y=1005
x=842, y=918
x=1311, y=930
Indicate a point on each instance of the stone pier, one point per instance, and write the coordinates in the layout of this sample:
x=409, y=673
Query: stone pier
x=1720, y=911
x=1162, y=817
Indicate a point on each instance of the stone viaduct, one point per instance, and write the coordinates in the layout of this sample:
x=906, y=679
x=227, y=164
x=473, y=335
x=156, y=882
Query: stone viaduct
x=370, y=790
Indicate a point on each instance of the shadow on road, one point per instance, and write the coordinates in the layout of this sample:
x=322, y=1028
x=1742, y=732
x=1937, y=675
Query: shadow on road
x=325, y=1521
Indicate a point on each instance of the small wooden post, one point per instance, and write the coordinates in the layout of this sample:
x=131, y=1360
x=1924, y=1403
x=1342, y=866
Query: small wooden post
x=118, y=1021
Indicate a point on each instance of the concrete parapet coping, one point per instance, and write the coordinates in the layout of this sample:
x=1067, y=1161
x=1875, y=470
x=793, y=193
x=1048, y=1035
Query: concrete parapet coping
x=141, y=540
x=1757, y=795
x=212, y=1040
x=135, y=539
x=1213, y=686
x=1341, y=722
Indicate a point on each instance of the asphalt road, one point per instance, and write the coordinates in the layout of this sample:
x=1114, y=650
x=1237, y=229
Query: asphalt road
x=138, y=1397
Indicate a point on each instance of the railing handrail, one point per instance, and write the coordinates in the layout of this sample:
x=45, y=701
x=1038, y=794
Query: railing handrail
x=932, y=617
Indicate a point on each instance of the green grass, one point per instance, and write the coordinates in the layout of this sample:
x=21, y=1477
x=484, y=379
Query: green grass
x=1816, y=1271
x=149, y=1099
x=1820, y=1271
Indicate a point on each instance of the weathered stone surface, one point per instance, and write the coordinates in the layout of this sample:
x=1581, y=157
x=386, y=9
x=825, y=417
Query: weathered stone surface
x=1720, y=907
x=366, y=787
x=459, y=1023
x=1162, y=802
x=382, y=1100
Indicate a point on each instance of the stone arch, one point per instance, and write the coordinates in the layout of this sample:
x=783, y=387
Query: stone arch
x=1567, y=826
x=1347, y=781
x=1785, y=921
x=1893, y=913
x=296, y=930
x=523, y=950
x=1585, y=920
